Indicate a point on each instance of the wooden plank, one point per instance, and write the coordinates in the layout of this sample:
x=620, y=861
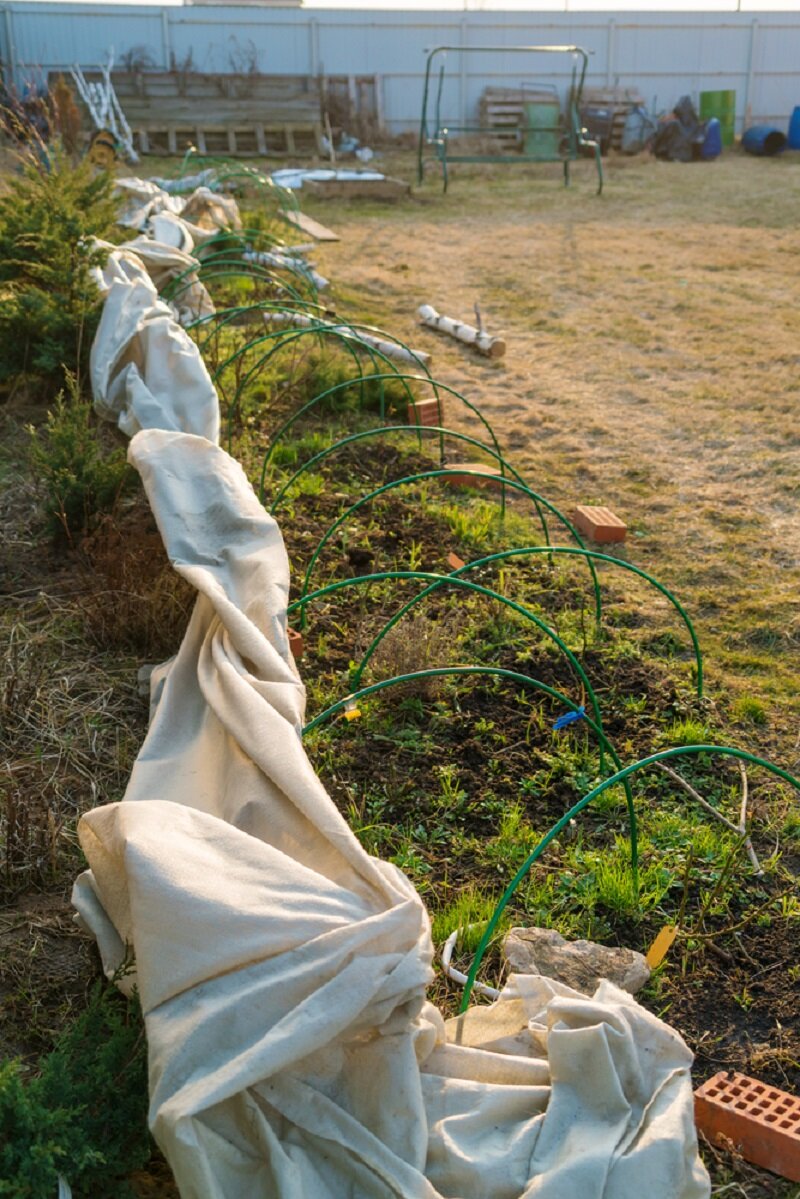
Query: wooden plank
x=308, y=225
x=171, y=142
x=376, y=189
x=201, y=141
x=261, y=142
x=289, y=135
x=221, y=114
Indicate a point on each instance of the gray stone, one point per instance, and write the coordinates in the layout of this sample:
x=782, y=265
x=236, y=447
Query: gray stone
x=579, y=964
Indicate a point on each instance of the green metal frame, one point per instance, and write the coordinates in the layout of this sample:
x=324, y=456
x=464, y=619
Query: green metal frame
x=228, y=269
x=229, y=316
x=550, y=551
x=435, y=384
x=381, y=431
x=347, y=336
x=441, y=430
x=503, y=483
x=621, y=777
x=572, y=138
x=515, y=677
x=233, y=170
x=476, y=589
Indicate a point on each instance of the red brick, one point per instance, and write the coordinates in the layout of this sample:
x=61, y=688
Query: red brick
x=295, y=643
x=762, y=1122
x=600, y=524
x=456, y=477
x=454, y=562
x=425, y=412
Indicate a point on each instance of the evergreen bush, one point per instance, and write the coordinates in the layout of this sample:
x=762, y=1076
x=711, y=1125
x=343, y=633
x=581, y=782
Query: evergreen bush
x=85, y=1115
x=49, y=304
x=77, y=476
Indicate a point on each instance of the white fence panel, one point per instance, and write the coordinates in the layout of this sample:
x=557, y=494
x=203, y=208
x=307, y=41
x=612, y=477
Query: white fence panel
x=663, y=55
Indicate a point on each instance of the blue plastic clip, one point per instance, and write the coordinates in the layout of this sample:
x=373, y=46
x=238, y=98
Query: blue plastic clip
x=569, y=718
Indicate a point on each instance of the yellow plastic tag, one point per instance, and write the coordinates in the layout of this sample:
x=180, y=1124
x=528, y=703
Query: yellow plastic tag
x=351, y=712
x=660, y=947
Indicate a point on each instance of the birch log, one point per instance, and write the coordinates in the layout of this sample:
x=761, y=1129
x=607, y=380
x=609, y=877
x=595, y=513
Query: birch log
x=289, y=262
x=391, y=349
x=492, y=347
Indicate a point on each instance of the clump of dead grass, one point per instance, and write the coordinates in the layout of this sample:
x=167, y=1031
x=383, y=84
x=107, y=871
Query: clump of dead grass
x=132, y=599
x=70, y=725
x=417, y=642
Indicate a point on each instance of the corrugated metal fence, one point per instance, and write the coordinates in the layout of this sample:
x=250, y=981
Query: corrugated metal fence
x=663, y=55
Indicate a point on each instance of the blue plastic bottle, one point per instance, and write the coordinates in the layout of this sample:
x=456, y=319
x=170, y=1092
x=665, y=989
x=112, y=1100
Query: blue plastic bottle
x=794, y=129
x=712, y=145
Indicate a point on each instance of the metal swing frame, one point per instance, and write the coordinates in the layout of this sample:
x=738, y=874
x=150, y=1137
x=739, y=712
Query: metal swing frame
x=572, y=137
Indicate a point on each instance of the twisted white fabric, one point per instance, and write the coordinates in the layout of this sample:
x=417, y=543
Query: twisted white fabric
x=145, y=370
x=282, y=970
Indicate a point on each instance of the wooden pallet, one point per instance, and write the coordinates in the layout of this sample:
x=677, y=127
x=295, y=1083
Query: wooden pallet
x=621, y=100
x=501, y=111
x=237, y=140
x=242, y=115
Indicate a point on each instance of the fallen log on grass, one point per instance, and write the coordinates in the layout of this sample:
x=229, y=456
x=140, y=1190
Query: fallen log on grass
x=485, y=343
x=391, y=349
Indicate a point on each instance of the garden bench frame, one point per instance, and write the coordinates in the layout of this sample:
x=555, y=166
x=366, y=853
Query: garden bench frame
x=572, y=138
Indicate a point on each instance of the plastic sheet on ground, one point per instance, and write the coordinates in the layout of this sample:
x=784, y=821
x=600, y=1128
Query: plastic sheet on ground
x=282, y=970
x=293, y=177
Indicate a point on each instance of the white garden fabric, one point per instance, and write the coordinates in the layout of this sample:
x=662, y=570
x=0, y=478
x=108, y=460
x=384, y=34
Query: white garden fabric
x=282, y=970
x=145, y=370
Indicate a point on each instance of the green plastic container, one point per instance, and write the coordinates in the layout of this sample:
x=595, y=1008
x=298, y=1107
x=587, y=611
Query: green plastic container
x=721, y=105
x=542, y=129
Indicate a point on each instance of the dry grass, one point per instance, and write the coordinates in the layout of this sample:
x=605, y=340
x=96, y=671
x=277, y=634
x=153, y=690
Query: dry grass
x=652, y=366
x=132, y=600
x=70, y=723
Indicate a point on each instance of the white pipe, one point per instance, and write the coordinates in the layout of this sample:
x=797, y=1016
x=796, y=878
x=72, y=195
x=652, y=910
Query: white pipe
x=456, y=975
x=389, y=348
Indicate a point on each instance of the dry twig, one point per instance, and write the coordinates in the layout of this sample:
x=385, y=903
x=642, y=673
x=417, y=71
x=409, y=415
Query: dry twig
x=740, y=829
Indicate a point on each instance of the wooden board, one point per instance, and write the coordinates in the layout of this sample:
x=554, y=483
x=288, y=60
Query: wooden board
x=308, y=225
x=375, y=189
x=241, y=141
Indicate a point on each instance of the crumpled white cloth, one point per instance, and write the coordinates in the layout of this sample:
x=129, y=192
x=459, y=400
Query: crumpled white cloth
x=142, y=199
x=283, y=971
x=145, y=371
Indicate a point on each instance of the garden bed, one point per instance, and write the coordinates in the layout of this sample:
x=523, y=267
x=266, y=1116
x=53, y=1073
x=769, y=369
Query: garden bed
x=472, y=772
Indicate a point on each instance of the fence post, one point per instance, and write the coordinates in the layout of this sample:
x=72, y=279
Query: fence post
x=166, y=44
x=11, y=49
x=462, y=76
x=612, y=25
x=751, y=63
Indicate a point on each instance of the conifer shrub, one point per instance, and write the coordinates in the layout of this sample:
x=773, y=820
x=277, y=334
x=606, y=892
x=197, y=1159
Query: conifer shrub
x=49, y=304
x=84, y=1116
x=78, y=476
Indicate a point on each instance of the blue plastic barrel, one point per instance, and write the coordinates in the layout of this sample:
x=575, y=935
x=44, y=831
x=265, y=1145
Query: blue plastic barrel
x=712, y=143
x=763, y=139
x=794, y=129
